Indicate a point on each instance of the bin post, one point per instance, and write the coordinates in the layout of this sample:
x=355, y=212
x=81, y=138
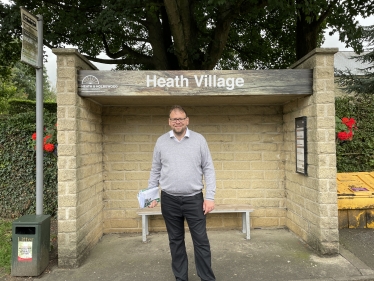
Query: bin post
x=30, y=245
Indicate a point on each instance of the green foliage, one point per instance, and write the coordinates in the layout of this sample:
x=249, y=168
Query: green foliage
x=19, y=106
x=339, y=126
x=5, y=245
x=18, y=167
x=356, y=155
x=7, y=91
x=224, y=34
x=20, y=83
x=361, y=84
x=24, y=78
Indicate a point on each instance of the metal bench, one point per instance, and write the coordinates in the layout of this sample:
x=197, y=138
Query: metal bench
x=244, y=209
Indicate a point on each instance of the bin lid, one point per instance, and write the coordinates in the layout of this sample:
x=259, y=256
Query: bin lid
x=358, y=184
x=31, y=219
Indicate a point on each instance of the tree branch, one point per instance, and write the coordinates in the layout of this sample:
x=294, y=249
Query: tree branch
x=180, y=28
x=129, y=61
x=156, y=36
x=326, y=13
x=125, y=52
x=220, y=35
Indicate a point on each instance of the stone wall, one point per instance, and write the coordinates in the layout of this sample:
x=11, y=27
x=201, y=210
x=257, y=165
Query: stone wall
x=80, y=182
x=312, y=211
x=246, y=146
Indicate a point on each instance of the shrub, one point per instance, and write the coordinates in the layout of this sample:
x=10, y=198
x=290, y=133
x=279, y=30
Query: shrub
x=20, y=106
x=356, y=155
x=18, y=167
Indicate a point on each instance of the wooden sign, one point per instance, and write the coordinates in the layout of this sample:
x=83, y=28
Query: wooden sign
x=93, y=83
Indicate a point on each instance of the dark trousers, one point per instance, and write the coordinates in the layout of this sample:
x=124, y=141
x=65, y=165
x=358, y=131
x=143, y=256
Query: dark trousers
x=175, y=209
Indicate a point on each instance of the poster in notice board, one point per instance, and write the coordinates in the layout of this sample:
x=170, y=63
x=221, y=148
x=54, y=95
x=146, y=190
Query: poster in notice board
x=301, y=145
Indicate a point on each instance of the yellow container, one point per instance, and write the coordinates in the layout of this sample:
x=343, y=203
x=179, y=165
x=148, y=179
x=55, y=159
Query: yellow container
x=356, y=199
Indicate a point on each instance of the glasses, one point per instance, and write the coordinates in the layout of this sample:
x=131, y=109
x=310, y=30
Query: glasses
x=174, y=120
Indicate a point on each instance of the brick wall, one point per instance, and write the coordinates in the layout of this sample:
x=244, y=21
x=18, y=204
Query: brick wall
x=246, y=146
x=312, y=211
x=80, y=182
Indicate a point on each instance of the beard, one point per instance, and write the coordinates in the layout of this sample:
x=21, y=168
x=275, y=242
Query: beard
x=179, y=131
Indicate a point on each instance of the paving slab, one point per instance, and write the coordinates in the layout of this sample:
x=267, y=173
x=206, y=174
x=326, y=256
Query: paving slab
x=275, y=254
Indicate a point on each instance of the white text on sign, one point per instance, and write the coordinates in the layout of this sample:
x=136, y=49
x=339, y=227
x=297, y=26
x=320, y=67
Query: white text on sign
x=207, y=81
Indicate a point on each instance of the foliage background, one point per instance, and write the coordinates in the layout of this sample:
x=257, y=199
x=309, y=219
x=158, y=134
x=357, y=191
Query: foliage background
x=18, y=166
x=19, y=83
x=356, y=155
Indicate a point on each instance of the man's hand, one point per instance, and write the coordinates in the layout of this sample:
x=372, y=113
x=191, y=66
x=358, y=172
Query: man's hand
x=208, y=206
x=153, y=204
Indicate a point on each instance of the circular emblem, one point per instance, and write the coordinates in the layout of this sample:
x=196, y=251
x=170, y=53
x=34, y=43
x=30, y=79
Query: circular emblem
x=90, y=79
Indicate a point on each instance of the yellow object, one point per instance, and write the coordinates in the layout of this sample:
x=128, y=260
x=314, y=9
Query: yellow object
x=355, y=190
x=356, y=199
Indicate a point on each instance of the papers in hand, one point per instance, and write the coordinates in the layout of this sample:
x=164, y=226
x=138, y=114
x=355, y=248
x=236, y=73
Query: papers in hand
x=146, y=196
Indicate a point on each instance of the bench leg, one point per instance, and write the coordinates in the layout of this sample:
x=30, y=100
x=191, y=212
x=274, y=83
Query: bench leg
x=144, y=227
x=246, y=226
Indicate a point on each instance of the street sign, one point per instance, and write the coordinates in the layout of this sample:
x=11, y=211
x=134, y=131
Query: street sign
x=32, y=54
x=29, y=52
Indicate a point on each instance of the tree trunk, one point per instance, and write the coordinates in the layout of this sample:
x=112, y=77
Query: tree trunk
x=306, y=35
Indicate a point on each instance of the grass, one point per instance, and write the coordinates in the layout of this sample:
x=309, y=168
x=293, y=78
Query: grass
x=5, y=246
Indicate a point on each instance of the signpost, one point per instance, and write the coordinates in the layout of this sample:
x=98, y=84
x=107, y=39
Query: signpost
x=30, y=233
x=32, y=54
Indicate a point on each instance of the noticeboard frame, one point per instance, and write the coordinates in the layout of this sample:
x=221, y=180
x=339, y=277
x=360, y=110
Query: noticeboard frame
x=301, y=148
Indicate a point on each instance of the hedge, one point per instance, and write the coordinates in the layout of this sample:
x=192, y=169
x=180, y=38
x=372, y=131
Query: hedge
x=18, y=167
x=20, y=106
x=356, y=155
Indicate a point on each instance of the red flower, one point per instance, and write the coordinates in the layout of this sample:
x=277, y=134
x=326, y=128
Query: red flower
x=46, y=138
x=345, y=135
x=49, y=147
x=33, y=136
x=349, y=122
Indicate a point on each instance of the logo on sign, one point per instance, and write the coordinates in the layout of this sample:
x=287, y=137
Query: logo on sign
x=91, y=83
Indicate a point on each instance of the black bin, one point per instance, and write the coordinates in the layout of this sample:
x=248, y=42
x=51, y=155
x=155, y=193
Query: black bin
x=30, y=245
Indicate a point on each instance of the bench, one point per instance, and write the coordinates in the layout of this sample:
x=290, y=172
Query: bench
x=244, y=209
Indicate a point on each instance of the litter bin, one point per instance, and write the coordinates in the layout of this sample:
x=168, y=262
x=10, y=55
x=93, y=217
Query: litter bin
x=30, y=245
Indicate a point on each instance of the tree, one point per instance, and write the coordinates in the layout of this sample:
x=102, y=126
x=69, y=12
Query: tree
x=339, y=15
x=20, y=83
x=7, y=91
x=9, y=55
x=362, y=85
x=191, y=34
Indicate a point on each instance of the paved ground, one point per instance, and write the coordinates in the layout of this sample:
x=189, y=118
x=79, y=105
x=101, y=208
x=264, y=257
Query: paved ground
x=360, y=242
x=269, y=255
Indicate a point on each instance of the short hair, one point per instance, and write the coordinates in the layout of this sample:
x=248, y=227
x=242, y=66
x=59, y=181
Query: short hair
x=177, y=107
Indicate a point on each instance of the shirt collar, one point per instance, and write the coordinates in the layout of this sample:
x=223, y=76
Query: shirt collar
x=187, y=135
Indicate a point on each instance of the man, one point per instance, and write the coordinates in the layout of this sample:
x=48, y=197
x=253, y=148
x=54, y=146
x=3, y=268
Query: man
x=181, y=158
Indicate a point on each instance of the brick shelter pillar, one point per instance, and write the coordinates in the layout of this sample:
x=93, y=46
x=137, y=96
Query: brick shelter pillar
x=311, y=201
x=80, y=164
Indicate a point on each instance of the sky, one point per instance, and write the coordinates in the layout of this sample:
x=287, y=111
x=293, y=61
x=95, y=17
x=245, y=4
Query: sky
x=330, y=42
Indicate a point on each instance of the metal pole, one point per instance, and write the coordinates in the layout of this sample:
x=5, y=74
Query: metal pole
x=39, y=121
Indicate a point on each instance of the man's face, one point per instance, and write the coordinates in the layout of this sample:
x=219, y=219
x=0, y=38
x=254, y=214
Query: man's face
x=178, y=126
